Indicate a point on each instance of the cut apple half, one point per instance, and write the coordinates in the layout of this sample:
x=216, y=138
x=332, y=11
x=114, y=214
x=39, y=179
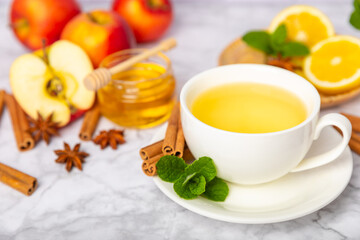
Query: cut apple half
x=53, y=84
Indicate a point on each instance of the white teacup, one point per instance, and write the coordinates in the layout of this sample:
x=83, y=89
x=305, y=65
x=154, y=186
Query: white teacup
x=257, y=158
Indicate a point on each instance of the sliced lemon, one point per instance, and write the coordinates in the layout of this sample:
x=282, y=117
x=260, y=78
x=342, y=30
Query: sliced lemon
x=304, y=24
x=334, y=64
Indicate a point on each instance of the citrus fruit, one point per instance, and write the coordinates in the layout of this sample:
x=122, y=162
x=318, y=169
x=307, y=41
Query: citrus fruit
x=333, y=65
x=304, y=24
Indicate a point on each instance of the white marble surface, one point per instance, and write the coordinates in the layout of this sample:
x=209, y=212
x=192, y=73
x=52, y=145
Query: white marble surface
x=111, y=198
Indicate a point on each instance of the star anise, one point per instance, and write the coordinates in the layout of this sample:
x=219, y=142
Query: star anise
x=112, y=137
x=282, y=62
x=43, y=128
x=71, y=157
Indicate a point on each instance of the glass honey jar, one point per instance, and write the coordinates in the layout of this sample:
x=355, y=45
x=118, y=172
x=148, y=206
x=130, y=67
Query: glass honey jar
x=141, y=96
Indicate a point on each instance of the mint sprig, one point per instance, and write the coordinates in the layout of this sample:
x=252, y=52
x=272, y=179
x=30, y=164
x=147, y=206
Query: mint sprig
x=170, y=168
x=259, y=40
x=294, y=49
x=191, y=181
x=190, y=187
x=197, y=185
x=355, y=16
x=216, y=190
x=275, y=43
x=278, y=38
x=203, y=166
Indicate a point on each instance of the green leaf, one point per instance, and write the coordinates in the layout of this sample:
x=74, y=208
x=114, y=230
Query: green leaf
x=294, y=49
x=182, y=187
x=197, y=185
x=278, y=37
x=259, y=40
x=355, y=19
x=216, y=190
x=170, y=168
x=203, y=166
x=357, y=5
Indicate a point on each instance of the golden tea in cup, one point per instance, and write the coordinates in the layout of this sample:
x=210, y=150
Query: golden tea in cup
x=270, y=117
x=248, y=107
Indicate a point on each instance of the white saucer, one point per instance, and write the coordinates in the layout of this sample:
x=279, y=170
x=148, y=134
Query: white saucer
x=292, y=196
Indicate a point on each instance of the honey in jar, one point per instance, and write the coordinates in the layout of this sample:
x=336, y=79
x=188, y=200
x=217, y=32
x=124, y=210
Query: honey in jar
x=141, y=96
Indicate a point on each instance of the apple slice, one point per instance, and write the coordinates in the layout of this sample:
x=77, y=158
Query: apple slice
x=53, y=84
x=72, y=62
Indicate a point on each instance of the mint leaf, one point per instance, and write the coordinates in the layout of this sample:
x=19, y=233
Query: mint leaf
x=294, y=49
x=190, y=181
x=278, y=37
x=355, y=19
x=182, y=187
x=355, y=16
x=259, y=40
x=170, y=168
x=216, y=190
x=203, y=166
x=357, y=5
x=197, y=185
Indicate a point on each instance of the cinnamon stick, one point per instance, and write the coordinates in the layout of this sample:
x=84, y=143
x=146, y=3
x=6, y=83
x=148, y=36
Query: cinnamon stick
x=354, y=146
x=173, y=143
x=355, y=121
x=354, y=142
x=171, y=131
x=20, y=124
x=180, y=140
x=2, y=94
x=355, y=136
x=90, y=122
x=187, y=155
x=149, y=166
x=17, y=180
x=156, y=148
x=151, y=150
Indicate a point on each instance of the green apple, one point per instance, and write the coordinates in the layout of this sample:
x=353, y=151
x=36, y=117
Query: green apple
x=53, y=82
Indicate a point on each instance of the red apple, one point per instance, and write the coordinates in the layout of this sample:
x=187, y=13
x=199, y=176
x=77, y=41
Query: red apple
x=53, y=84
x=99, y=33
x=35, y=20
x=149, y=19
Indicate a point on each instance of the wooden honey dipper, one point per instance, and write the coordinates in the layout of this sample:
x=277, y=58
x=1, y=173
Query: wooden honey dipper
x=102, y=76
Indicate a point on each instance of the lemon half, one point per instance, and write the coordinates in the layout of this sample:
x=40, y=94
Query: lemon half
x=334, y=64
x=304, y=24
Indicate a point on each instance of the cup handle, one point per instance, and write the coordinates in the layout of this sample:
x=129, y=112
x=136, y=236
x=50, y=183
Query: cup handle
x=332, y=119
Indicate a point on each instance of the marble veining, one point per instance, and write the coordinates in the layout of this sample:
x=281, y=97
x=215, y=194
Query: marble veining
x=111, y=198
